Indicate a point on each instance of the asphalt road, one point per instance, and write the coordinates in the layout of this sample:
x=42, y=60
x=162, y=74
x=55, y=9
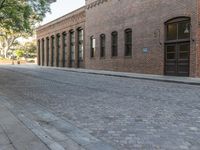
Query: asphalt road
x=126, y=113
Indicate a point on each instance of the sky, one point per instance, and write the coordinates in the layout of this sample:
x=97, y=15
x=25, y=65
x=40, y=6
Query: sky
x=62, y=7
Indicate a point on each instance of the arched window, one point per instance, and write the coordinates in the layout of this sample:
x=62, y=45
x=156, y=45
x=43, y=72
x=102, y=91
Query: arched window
x=42, y=58
x=114, y=40
x=64, y=43
x=72, y=45
x=57, y=49
x=128, y=42
x=92, y=46
x=102, y=45
x=177, y=46
x=178, y=29
x=47, y=51
x=52, y=49
x=80, y=44
x=38, y=53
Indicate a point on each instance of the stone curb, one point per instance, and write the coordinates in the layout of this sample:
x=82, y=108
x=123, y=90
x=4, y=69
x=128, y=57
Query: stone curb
x=182, y=80
x=169, y=79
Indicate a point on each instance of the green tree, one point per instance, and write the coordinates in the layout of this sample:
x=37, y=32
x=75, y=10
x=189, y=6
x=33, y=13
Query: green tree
x=18, y=19
x=22, y=15
x=19, y=53
x=8, y=39
x=29, y=49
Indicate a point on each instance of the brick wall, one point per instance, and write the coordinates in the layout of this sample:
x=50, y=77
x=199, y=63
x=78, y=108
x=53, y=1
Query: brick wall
x=67, y=23
x=146, y=19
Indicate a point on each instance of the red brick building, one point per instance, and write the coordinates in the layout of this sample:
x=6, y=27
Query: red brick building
x=153, y=37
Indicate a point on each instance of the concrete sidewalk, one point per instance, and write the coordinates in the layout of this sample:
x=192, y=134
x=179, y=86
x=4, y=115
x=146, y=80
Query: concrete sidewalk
x=14, y=135
x=31, y=127
x=162, y=78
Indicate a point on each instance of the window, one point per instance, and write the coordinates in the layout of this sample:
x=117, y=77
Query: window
x=58, y=49
x=38, y=52
x=171, y=31
x=72, y=46
x=178, y=29
x=47, y=51
x=114, y=40
x=42, y=52
x=102, y=45
x=128, y=42
x=92, y=46
x=80, y=44
x=177, y=46
x=64, y=38
x=52, y=49
x=184, y=51
x=171, y=52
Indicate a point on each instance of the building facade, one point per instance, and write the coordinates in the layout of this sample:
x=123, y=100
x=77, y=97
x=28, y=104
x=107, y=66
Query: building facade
x=61, y=42
x=153, y=37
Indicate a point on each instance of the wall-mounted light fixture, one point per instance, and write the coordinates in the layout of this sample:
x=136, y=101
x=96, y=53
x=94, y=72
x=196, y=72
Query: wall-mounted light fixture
x=187, y=28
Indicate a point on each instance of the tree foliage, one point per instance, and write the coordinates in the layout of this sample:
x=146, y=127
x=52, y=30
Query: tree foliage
x=22, y=15
x=29, y=49
x=19, y=53
x=18, y=19
x=8, y=39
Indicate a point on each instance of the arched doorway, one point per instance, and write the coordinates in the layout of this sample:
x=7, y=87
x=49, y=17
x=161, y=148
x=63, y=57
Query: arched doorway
x=177, y=46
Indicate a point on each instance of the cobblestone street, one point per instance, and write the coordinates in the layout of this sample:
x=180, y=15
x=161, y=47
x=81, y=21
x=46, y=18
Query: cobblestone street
x=125, y=113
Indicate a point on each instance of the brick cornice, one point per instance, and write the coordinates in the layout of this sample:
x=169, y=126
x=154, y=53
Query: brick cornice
x=96, y=3
x=69, y=18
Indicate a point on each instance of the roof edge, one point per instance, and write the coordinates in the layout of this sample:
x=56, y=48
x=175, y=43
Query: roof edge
x=61, y=18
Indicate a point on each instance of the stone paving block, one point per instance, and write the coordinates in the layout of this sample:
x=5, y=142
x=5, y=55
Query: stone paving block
x=50, y=130
x=4, y=139
x=20, y=136
x=125, y=112
x=99, y=146
x=1, y=130
x=71, y=145
x=7, y=147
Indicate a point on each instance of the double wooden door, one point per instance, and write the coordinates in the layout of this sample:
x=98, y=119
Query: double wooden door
x=177, y=58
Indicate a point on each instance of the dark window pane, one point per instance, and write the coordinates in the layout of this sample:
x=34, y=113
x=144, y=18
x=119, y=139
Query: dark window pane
x=102, y=45
x=42, y=51
x=184, y=48
x=47, y=51
x=72, y=46
x=183, y=69
x=128, y=42
x=171, y=49
x=52, y=50
x=64, y=48
x=114, y=51
x=170, y=68
x=129, y=37
x=183, y=55
x=58, y=49
x=171, y=52
x=114, y=43
x=172, y=31
x=80, y=44
x=184, y=51
x=171, y=55
x=128, y=50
